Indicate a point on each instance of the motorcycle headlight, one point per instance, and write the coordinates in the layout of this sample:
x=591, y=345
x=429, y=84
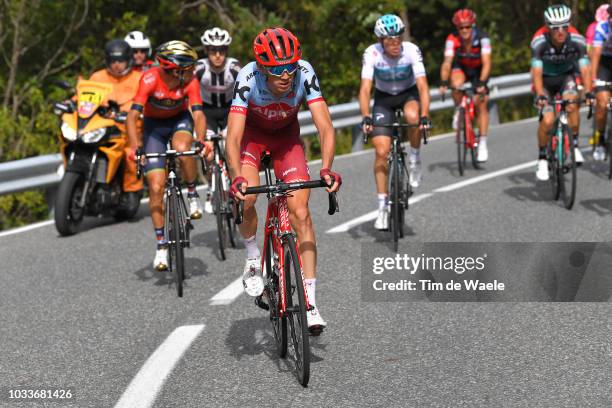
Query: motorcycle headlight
x=69, y=133
x=94, y=136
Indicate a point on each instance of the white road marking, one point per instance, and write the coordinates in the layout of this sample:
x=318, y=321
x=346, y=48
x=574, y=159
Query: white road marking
x=454, y=186
x=228, y=294
x=148, y=382
x=26, y=228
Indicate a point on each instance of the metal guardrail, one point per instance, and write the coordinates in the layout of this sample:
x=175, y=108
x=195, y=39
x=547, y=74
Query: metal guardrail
x=45, y=171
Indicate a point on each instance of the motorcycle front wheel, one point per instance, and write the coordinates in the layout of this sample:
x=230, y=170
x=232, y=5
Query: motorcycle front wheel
x=68, y=212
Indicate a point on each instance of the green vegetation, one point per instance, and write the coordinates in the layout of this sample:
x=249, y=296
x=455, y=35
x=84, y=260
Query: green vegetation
x=43, y=41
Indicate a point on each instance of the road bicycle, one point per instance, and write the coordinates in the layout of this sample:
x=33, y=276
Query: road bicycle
x=465, y=136
x=221, y=200
x=287, y=300
x=400, y=189
x=177, y=223
x=560, y=152
x=608, y=131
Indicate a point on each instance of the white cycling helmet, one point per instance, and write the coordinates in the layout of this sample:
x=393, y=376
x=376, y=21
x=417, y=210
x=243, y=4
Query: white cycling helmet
x=389, y=25
x=559, y=14
x=138, y=40
x=216, y=37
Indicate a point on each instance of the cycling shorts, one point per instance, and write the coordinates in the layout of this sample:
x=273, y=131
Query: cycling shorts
x=285, y=147
x=385, y=105
x=472, y=75
x=158, y=132
x=216, y=118
x=604, y=73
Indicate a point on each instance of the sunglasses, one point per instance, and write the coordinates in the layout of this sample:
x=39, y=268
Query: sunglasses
x=140, y=51
x=221, y=50
x=393, y=38
x=279, y=70
x=468, y=27
x=561, y=27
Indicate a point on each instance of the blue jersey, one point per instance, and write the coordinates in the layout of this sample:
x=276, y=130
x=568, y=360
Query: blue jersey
x=602, y=38
x=263, y=109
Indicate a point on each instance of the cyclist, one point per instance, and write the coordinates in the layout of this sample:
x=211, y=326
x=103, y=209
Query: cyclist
x=165, y=96
x=467, y=57
x=263, y=116
x=141, y=48
x=559, y=56
x=601, y=14
x=119, y=73
x=601, y=70
x=398, y=73
x=217, y=74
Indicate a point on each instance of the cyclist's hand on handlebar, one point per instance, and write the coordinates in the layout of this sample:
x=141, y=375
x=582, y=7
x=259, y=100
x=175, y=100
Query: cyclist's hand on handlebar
x=443, y=87
x=134, y=152
x=541, y=101
x=481, y=87
x=424, y=123
x=238, y=187
x=590, y=98
x=367, y=125
x=203, y=147
x=333, y=180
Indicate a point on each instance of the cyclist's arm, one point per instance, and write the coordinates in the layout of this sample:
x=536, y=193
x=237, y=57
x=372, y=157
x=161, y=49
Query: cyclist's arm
x=537, y=66
x=235, y=129
x=583, y=62
x=365, y=90
x=323, y=123
x=199, y=125
x=595, y=58
x=538, y=81
x=423, y=87
x=445, y=69
x=132, y=127
x=485, y=57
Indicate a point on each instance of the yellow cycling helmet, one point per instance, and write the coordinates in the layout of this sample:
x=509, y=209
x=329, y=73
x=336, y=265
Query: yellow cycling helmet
x=176, y=55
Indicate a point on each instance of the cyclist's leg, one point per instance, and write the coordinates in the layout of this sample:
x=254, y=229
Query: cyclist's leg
x=457, y=78
x=381, y=139
x=604, y=73
x=182, y=140
x=570, y=91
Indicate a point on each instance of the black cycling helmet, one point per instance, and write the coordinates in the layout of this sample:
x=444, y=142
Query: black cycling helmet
x=118, y=50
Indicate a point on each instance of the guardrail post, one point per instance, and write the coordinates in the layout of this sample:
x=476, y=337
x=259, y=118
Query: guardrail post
x=50, y=196
x=493, y=113
x=357, y=134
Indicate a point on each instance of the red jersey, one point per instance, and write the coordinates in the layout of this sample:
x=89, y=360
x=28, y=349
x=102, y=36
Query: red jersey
x=148, y=64
x=160, y=102
x=471, y=57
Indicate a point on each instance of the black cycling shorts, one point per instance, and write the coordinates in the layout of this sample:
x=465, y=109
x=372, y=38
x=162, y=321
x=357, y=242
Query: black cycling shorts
x=604, y=73
x=385, y=105
x=472, y=75
x=216, y=118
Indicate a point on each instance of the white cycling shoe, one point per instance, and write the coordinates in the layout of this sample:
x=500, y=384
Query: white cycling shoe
x=252, y=278
x=382, y=220
x=316, y=324
x=579, y=156
x=208, y=208
x=195, y=208
x=542, y=170
x=483, y=153
x=416, y=174
x=599, y=154
x=456, y=119
x=160, y=263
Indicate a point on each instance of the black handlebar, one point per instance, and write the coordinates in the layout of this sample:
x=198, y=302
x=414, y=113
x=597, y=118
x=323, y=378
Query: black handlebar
x=168, y=153
x=564, y=103
x=282, y=188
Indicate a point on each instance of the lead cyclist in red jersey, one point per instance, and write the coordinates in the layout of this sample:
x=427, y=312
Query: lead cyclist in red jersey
x=165, y=97
x=467, y=57
x=263, y=116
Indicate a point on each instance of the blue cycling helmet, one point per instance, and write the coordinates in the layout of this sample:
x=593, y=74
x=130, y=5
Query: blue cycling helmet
x=389, y=25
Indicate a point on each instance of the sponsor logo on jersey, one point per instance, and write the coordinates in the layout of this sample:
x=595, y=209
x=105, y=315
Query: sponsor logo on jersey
x=275, y=111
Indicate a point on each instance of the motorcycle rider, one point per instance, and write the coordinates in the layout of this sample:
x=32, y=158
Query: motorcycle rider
x=141, y=50
x=125, y=80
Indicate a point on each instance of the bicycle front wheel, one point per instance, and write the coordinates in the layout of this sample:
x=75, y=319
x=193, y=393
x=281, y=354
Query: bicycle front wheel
x=176, y=237
x=219, y=210
x=567, y=173
x=279, y=323
x=460, y=141
x=395, y=204
x=296, y=311
x=608, y=143
x=553, y=166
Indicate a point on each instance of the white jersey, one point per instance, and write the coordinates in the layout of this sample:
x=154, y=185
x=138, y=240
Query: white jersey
x=393, y=75
x=217, y=87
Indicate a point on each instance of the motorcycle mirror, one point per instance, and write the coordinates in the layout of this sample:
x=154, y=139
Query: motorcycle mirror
x=113, y=105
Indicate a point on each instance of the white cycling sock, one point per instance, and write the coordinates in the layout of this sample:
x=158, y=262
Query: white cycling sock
x=483, y=140
x=251, y=247
x=310, y=285
x=382, y=201
x=414, y=154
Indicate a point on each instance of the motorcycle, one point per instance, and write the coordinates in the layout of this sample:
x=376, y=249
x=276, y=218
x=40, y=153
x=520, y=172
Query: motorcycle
x=92, y=147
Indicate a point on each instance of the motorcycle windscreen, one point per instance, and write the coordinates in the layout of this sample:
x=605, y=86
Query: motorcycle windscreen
x=90, y=95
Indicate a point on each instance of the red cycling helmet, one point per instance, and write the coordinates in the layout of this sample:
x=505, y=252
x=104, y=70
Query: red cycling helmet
x=276, y=46
x=464, y=16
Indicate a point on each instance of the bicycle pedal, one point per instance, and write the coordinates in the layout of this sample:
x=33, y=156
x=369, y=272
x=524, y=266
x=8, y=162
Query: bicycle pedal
x=261, y=304
x=315, y=331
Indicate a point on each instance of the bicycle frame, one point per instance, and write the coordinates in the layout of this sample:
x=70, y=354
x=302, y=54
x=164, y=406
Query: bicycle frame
x=467, y=103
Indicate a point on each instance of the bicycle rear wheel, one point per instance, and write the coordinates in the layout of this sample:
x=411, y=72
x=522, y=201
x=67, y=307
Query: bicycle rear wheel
x=176, y=237
x=279, y=323
x=608, y=143
x=567, y=170
x=296, y=311
x=474, y=152
x=460, y=141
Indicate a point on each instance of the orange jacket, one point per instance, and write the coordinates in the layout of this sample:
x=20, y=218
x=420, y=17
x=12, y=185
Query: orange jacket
x=124, y=88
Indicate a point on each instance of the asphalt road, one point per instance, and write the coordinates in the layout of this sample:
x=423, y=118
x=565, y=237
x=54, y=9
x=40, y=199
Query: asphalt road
x=88, y=312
